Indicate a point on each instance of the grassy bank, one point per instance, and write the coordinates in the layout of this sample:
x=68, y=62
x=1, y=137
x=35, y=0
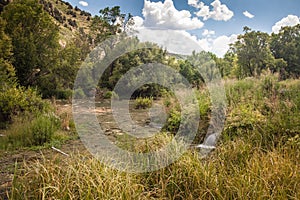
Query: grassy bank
x=237, y=170
x=257, y=157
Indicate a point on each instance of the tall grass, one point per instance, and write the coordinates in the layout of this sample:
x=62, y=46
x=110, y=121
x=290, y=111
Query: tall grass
x=263, y=111
x=79, y=177
x=30, y=131
x=235, y=171
x=257, y=157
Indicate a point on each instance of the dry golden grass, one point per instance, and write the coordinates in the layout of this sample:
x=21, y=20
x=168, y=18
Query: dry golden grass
x=237, y=170
x=257, y=158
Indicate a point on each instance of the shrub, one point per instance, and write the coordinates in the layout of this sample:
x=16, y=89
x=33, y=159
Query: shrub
x=18, y=100
x=237, y=91
x=204, y=103
x=57, y=93
x=143, y=103
x=167, y=102
x=173, y=121
x=242, y=118
x=110, y=94
x=263, y=110
x=79, y=94
x=43, y=127
x=269, y=85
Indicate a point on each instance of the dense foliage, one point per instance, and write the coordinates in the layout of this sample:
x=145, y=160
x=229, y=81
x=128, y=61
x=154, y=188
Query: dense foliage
x=34, y=39
x=257, y=51
x=286, y=45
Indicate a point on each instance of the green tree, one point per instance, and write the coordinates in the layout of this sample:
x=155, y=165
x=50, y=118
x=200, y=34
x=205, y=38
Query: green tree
x=34, y=39
x=253, y=52
x=190, y=73
x=60, y=79
x=13, y=98
x=7, y=71
x=286, y=45
x=228, y=65
x=110, y=22
x=129, y=60
x=205, y=65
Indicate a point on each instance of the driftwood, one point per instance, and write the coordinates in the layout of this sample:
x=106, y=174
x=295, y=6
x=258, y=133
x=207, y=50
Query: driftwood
x=60, y=151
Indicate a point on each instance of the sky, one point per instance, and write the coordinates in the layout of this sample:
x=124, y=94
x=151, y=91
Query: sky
x=182, y=26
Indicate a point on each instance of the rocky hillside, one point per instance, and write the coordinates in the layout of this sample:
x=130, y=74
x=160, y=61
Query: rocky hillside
x=71, y=20
x=67, y=16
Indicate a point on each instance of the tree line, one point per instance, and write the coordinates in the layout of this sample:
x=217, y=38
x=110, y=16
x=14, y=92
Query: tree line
x=31, y=54
x=256, y=51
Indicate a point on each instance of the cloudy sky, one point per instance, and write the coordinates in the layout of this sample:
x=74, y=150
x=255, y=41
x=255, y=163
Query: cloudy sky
x=185, y=25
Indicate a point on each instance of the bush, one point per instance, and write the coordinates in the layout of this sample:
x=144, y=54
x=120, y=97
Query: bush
x=237, y=91
x=43, y=128
x=17, y=100
x=173, y=121
x=244, y=118
x=204, y=103
x=269, y=85
x=263, y=111
x=110, y=94
x=143, y=103
x=57, y=93
x=79, y=94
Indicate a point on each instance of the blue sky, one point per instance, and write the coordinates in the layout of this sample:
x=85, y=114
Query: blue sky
x=211, y=22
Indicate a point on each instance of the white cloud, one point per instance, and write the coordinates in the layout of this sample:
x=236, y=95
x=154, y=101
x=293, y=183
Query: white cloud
x=83, y=3
x=161, y=25
x=175, y=41
x=290, y=20
x=182, y=42
x=207, y=33
x=221, y=44
x=249, y=15
x=219, y=12
x=160, y=15
x=138, y=22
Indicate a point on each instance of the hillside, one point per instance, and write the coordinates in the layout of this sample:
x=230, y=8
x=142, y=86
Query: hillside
x=67, y=16
x=71, y=20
